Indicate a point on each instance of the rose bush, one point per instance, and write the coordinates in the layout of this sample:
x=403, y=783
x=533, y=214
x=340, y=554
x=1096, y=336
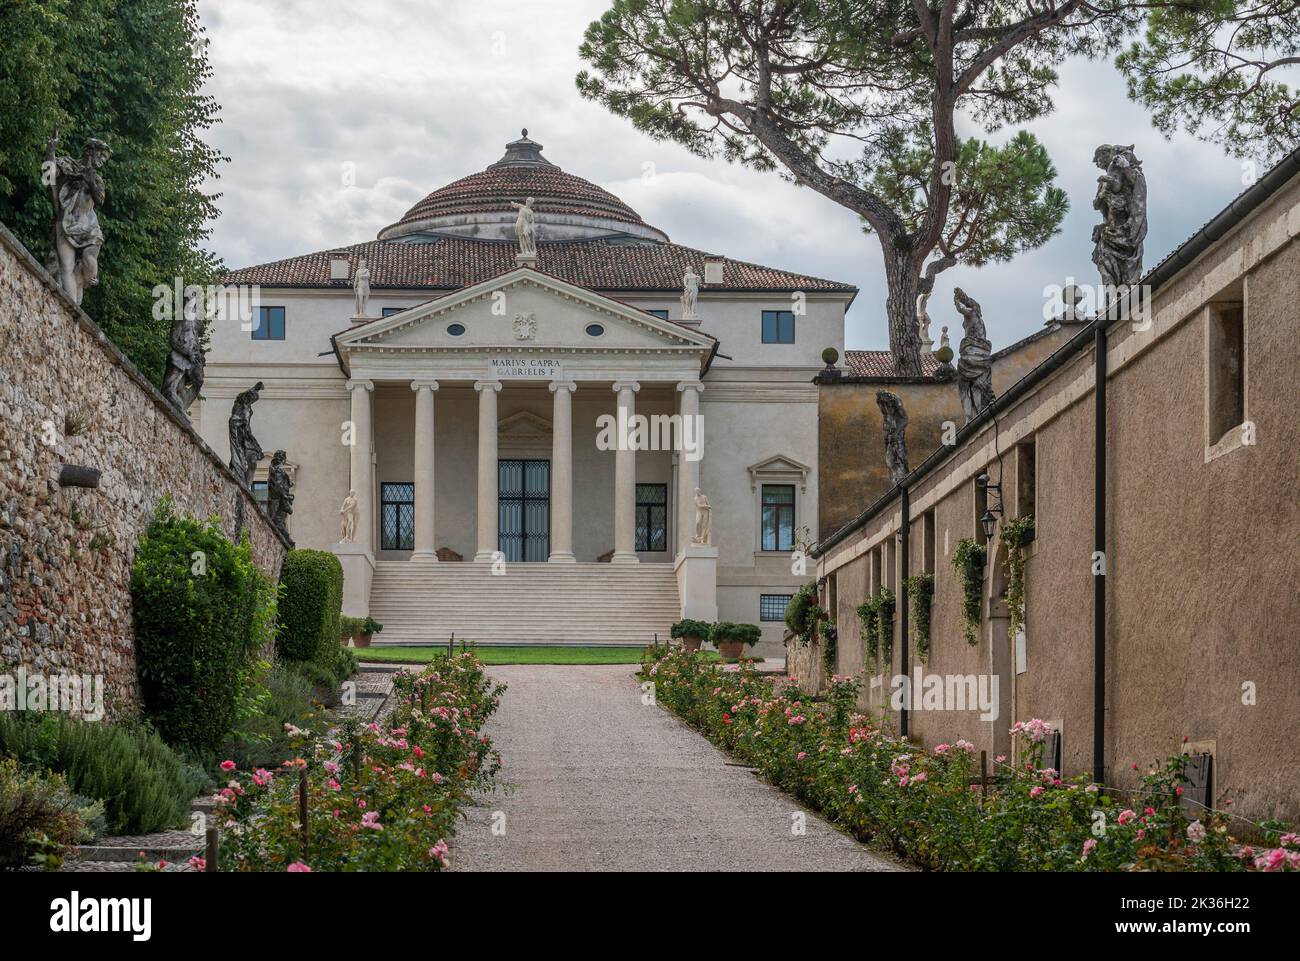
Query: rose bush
x=928, y=806
x=379, y=798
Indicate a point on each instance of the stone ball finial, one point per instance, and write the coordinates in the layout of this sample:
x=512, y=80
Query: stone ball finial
x=524, y=131
x=830, y=355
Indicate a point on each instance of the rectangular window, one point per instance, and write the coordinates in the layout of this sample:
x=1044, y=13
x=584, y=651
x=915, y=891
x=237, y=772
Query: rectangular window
x=778, y=517
x=260, y=493
x=1026, y=479
x=661, y=314
x=1226, y=370
x=778, y=326
x=771, y=607
x=397, y=517
x=389, y=311
x=652, y=517
x=270, y=324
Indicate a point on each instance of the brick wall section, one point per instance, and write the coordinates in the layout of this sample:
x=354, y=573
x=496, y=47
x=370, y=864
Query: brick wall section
x=66, y=553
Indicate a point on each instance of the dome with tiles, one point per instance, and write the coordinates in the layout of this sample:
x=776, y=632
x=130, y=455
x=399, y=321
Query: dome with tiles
x=480, y=206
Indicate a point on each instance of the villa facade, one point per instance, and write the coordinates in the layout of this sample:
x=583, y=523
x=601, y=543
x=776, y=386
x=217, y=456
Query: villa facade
x=483, y=406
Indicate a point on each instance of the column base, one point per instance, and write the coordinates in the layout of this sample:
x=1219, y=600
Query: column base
x=484, y=557
x=427, y=556
x=562, y=557
x=625, y=557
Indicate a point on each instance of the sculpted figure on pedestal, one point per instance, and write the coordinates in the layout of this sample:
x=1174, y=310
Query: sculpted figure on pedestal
x=279, y=497
x=245, y=451
x=703, y=520
x=348, y=518
x=76, y=189
x=975, y=363
x=894, y=420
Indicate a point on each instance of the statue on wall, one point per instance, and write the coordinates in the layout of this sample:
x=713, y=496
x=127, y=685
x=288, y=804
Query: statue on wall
x=348, y=518
x=185, y=363
x=279, y=496
x=975, y=361
x=894, y=421
x=1122, y=200
x=76, y=189
x=690, y=294
x=245, y=451
x=945, y=371
x=923, y=323
x=361, y=288
x=526, y=228
x=703, y=520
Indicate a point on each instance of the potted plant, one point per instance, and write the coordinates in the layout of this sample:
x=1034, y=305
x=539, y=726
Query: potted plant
x=358, y=630
x=691, y=633
x=732, y=638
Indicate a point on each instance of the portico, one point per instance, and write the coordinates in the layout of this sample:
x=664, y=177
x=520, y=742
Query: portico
x=502, y=370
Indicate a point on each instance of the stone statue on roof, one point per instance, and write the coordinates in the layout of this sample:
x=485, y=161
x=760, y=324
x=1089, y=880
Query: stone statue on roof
x=975, y=362
x=526, y=228
x=279, y=496
x=185, y=363
x=690, y=294
x=76, y=190
x=1122, y=200
x=245, y=451
x=894, y=423
x=361, y=287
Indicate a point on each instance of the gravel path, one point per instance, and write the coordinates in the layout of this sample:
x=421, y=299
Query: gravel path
x=596, y=781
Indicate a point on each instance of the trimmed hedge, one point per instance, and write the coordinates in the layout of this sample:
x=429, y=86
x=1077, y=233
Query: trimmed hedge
x=310, y=606
x=687, y=627
x=202, y=612
x=143, y=785
x=802, y=610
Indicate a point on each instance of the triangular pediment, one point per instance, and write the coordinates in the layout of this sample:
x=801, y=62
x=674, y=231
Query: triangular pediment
x=522, y=425
x=523, y=309
x=778, y=467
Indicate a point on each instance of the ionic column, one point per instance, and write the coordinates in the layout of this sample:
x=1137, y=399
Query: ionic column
x=424, y=538
x=562, y=472
x=487, y=468
x=359, y=461
x=688, y=471
x=625, y=477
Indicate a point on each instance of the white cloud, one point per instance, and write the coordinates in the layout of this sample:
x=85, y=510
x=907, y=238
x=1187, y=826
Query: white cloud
x=417, y=94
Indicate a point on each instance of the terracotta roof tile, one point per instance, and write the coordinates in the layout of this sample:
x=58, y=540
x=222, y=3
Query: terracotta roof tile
x=450, y=263
x=880, y=363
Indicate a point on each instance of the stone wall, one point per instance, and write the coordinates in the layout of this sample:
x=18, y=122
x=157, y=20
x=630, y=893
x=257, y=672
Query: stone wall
x=66, y=553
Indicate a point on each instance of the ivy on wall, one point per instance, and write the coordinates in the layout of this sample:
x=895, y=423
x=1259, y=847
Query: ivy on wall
x=829, y=638
x=968, y=560
x=867, y=614
x=1014, y=534
x=885, y=623
x=920, y=589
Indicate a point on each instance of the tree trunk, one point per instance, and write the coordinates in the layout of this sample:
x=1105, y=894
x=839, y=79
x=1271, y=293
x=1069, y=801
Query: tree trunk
x=900, y=309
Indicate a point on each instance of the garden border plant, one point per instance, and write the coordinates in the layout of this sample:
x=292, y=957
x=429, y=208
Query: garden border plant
x=688, y=629
x=968, y=561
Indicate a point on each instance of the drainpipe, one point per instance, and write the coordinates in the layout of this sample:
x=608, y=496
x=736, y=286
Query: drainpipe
x=905, y=530
x=1099, y=569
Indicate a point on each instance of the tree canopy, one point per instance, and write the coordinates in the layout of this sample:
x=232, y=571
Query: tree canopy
x=130, y=73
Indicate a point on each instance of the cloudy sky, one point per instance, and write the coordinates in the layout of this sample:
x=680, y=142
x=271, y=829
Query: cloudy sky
x=404, y=96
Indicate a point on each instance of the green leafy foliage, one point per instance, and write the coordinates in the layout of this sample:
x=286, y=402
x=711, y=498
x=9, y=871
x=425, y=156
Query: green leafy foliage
x=802, y=611
x=40, y=817
x=311, y=583
x=869, y=632
x=830, y=636
x=128, y=72
x=724, y=631
x=687, y=627
x=352, y=626
x=920, y=592
x=968, y=561
x=1013, y=539
x=1219, y=70
x=143, y=785
x=202, y=610
x=885, y=602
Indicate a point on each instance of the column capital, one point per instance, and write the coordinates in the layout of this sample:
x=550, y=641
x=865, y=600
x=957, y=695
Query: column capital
x=416, y=385
x=481, y=385
x=622, y=385
x=694, y=385
x=367, y=384
x=568, y=385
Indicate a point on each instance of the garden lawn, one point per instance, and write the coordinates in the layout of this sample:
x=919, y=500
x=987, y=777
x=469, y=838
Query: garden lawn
x=506, y=655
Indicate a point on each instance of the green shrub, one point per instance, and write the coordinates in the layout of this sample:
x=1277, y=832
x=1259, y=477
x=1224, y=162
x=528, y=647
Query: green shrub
x=142, y=783
x=352, y=626
x=285, y=697
x=40, y=817
x=311, y=584
x=802, y=612
x=202, y=611
x=747, y=634
x=690, y=628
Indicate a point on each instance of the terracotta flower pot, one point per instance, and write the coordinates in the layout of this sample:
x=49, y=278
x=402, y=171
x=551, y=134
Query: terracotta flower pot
x=692, y=643
x=731, y=649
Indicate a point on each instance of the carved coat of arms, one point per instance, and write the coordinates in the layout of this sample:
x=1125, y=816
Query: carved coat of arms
x=525, y=326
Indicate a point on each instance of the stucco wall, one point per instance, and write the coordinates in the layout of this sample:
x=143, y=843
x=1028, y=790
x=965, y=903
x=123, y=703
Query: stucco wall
x=66, y=553
x=1202, y=568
